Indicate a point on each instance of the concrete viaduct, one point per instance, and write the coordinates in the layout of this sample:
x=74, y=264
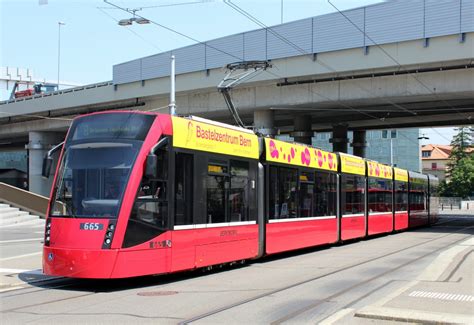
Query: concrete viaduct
x=336, y=84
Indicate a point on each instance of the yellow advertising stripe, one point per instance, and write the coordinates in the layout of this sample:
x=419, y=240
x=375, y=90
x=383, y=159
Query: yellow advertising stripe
x=401, y=174
x=299, y=155
x=197, y=135
x=352, y=164
x=375, y=169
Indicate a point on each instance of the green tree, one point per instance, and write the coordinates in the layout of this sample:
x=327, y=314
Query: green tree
x=462, y=178
x=460, y=172
x=460, y=144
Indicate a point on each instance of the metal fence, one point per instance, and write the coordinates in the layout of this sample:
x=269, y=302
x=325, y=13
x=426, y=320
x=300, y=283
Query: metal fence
x=389, y=22
x=450, y=203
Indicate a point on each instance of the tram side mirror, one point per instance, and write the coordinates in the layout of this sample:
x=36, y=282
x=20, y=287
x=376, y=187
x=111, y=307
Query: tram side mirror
x=47, y=163
x=151, y=166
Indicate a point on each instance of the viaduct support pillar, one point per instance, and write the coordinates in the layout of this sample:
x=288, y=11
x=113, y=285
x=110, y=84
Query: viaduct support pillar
x=38, y=145
x=264, y=122
x=303, y=129
x=339, y=138
x=359, y=144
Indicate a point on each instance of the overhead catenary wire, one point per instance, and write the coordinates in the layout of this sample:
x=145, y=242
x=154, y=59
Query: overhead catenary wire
x=174, y=31
x=257, y=21
x=239, y=58
x=400, y=66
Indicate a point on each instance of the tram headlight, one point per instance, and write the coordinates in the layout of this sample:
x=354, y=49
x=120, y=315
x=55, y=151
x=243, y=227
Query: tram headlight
x=47, y=232
x=109, y=234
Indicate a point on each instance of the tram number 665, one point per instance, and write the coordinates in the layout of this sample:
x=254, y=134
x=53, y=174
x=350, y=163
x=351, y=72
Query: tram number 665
x=91, y=226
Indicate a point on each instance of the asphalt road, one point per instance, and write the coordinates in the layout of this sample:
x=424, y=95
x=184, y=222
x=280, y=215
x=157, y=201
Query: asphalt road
x=323, y=285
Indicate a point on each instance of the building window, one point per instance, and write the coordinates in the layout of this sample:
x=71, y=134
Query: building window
x=389, y=134
x=426, y=153
x=434, y=166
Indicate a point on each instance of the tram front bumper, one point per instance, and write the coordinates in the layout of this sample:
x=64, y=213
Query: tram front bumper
x=77, y=263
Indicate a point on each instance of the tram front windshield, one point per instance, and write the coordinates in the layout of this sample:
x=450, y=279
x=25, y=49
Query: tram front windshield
x=96, y=166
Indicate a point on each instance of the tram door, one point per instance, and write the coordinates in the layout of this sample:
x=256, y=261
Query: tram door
x=183, y=236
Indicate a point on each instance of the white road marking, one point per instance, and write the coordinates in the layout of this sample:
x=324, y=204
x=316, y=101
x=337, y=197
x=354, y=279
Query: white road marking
x=16, y=271
x=19, y=256
x=20, y=240
x=441, y=296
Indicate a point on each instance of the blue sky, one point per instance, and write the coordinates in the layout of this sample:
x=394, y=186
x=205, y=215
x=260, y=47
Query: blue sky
x=92, y=42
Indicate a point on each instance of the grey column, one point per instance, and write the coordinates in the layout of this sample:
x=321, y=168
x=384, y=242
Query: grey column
x=303, y=129
x=359, y=144
x=38, y=145
x=264, y=122
x=339, y=138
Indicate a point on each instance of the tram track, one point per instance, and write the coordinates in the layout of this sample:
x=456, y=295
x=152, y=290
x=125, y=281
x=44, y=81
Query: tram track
x=64, y=283
x=320, y=301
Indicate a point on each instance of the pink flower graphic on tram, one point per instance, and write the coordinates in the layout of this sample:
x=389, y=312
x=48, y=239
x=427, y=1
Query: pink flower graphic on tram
x=292, y=153
x=377, y=171
x=306, y=157
x=273, y=150
x=330, y=161
x=320, y=158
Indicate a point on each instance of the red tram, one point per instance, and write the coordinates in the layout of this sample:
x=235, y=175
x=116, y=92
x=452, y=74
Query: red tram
x=139, y=193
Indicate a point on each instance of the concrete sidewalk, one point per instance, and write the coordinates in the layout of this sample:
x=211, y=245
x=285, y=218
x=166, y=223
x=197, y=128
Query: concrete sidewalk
x=447, y=284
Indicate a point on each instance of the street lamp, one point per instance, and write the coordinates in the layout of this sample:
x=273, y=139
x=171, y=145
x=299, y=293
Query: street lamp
x=129, y=21
x=60, y=23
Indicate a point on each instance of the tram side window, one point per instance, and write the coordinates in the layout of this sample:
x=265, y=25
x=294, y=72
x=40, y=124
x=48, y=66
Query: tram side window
x=401, y=196
x=274, y=198
x=380, y=195
x=239, y=191
x=418, y=197
x=216, y=183
x=283, y=192
x=325, y=194
x=228, y=192
x=306, y=194
x=184, y=189
x=353, y=194
x=149, y=216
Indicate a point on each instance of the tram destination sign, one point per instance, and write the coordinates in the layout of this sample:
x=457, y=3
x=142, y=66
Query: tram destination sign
x=400, y=174
x=352, y=164
x=192, y=134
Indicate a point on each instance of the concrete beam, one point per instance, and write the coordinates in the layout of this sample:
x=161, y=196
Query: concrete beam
x=444, y=51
